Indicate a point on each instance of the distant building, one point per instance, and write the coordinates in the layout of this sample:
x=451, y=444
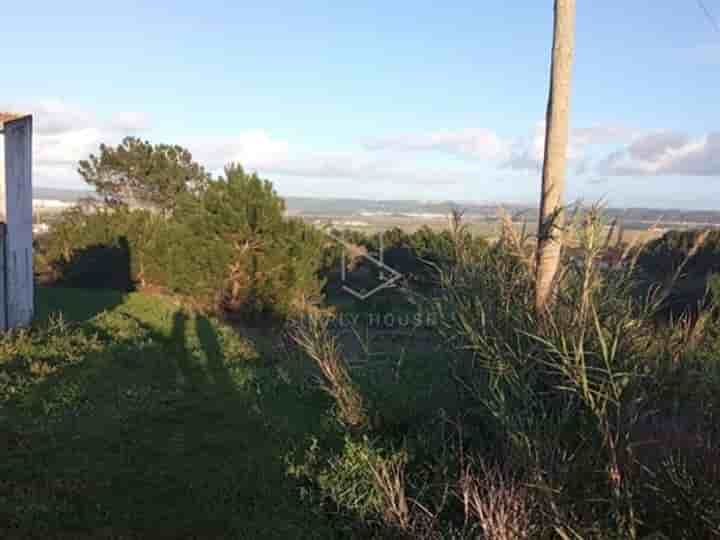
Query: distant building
x=40, y=228
x=50, y=204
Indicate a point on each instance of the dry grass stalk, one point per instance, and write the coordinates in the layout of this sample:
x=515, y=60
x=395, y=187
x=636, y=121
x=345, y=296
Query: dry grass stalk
x=697, y=245
x=313, y=336
x=458, y=233
x=516, y=243
x=500, y=506
x=389, y=476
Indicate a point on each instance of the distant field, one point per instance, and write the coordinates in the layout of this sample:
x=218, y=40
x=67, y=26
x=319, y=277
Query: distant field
x=633, y=232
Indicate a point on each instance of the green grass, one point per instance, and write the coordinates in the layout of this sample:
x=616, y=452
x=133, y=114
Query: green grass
x=142, y=421
x=76, y=305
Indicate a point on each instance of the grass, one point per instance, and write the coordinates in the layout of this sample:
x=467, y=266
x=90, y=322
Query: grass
x=76, y=305
x=135, y=418
x=141, y=421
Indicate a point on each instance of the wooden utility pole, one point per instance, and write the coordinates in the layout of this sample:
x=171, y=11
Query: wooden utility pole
x=555, y=159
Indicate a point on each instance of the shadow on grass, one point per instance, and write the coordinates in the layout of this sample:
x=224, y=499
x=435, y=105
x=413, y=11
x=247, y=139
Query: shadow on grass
x=74, y=305
x=98, y=266
x=95, y=279
x=213, y=353
x=161, y=434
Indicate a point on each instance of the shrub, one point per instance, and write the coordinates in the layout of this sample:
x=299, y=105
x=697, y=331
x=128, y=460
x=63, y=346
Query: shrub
x=420, y=257
x=111, y=248
x=662, y=257
x=569, y=391
x=714, y=288
x=99, y=266
x=30, y=356
x=369, y=482
x=229, y=248
x=234, y=248
x=563, y=400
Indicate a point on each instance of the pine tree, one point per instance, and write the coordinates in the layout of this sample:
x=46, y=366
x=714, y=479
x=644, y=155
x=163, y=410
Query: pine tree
x=137, y=173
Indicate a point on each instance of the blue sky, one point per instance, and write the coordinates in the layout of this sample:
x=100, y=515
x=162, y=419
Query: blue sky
x=416, y=100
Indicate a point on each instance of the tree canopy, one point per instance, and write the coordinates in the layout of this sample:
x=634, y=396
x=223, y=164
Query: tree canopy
x=238, y=224
x=142, y=174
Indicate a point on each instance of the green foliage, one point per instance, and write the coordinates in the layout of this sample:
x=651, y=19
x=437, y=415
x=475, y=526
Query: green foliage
x=349, y=481
x=26, y=357
x=137, y=172
x=593, y=419
x=109, y=249
x=713, y=284
x=76, y=305
x=684, y=259
x=236, y=235
x=441, y=248
x=228, y=247
x=573, y=390
x=665, y=255
x=420, y=256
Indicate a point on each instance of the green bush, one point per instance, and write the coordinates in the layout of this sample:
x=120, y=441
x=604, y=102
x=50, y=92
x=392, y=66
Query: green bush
x=369, y=481
x=420, y=256
x=108, y=248
x=664, y=256
x=229, y=248
x=713, y=284
x=28, y=356
x=686, y=259
x=234, y=248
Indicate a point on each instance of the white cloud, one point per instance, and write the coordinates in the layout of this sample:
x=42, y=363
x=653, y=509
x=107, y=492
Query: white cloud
x=641, y=152
x=258, y=150
x=64, y=134
x=666, y=153
x=129, y=121
x=602, y=134
x=53, y=117
x=521, y=154
x=253, y=149
x=527, y=153
x=469, y=143
x=66, y=148
x=359, y=166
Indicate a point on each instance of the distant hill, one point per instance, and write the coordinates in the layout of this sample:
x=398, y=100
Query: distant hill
x=342, y=206
x=346, y=207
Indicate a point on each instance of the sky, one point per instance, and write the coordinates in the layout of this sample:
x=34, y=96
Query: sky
x=381, y=100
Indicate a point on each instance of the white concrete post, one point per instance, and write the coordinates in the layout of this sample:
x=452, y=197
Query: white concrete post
x=16, y=205
x=3, y=296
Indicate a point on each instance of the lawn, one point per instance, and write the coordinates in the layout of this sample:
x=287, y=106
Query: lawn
x=136, y=419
